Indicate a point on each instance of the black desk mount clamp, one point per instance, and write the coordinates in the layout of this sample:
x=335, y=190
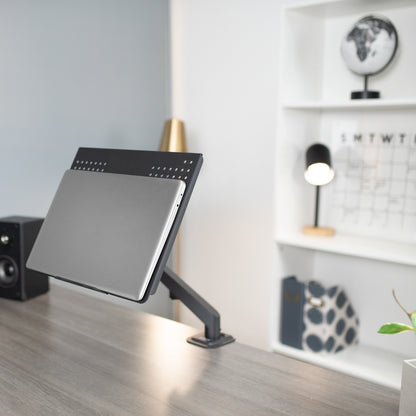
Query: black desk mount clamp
x=212, y=337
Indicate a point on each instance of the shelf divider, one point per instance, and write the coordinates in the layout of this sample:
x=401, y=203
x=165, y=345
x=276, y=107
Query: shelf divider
x=366, y=362
x=350, y=245
x=388, y=104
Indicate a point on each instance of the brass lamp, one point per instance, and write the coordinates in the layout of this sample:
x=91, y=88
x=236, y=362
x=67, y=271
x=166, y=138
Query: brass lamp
x=173, y=138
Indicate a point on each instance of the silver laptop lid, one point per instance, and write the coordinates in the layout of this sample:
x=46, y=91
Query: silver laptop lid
x=106, y=230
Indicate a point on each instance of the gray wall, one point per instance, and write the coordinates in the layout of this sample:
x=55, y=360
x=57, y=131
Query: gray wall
x=77, y=73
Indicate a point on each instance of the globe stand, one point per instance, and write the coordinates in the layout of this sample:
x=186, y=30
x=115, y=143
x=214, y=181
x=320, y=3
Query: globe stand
x=360, y=95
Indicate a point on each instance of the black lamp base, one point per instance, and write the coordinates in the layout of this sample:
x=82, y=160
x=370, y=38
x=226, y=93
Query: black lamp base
x=363, y=95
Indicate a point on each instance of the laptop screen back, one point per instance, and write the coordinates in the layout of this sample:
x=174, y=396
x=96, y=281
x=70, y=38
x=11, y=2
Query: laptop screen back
x=106, y=231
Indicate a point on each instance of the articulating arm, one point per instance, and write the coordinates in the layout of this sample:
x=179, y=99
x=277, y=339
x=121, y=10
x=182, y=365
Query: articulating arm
x=212, y=337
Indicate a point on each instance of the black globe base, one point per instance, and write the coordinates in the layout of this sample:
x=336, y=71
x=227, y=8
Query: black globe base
x=363, y=95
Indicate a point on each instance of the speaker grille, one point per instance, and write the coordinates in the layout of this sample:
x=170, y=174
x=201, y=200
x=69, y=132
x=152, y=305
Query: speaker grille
x=9, y=271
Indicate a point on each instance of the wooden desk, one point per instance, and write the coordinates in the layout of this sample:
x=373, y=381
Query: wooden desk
x=66, y=353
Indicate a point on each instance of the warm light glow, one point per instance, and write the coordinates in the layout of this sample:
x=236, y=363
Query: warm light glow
x=319, y=174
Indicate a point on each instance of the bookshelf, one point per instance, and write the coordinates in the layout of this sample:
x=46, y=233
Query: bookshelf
x=314, y=105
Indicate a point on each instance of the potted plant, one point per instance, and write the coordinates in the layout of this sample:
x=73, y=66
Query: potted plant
x=407, y=395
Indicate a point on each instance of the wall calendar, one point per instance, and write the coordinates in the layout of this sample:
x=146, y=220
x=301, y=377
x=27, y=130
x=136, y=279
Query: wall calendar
x=374, y=190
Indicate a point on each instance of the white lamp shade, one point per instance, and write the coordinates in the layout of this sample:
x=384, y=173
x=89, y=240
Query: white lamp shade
x=319, y=174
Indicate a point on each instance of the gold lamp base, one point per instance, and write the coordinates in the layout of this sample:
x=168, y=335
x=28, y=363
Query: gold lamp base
x=318, y=231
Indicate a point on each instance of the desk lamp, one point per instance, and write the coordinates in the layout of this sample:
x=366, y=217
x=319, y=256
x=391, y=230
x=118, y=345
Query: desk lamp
x=318, y=172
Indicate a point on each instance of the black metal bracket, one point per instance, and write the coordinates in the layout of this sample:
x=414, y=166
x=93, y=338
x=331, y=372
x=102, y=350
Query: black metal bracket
x=212, y=336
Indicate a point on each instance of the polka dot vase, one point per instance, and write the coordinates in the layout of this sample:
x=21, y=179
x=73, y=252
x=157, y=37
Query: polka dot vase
x=315, y=318
x=330, y=322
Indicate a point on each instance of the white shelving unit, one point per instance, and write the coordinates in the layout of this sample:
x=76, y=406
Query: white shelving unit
x=314, y=94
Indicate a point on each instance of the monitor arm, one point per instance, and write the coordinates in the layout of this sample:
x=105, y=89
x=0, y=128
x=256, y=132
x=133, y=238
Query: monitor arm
x=212, y=337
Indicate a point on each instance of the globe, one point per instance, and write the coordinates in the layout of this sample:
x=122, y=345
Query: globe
x=370, y=45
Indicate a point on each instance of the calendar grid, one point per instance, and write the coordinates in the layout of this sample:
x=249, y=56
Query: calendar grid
x=374, y=191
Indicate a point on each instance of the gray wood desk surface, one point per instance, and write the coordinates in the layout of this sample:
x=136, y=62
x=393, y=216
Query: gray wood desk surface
x=66, y=353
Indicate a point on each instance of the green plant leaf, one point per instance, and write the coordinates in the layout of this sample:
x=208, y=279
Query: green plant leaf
x=413, y=317
x=396, y=328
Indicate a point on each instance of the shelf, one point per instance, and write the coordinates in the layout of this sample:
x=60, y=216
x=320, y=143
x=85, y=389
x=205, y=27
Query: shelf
x=369, y=363
x=336, y=8
x=366, y=247
x=386, y=104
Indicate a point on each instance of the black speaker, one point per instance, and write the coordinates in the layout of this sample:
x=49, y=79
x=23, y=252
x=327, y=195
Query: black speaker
x=17, y=236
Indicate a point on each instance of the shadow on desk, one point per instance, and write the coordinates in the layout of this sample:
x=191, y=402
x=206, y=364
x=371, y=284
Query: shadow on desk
x=67, y=353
